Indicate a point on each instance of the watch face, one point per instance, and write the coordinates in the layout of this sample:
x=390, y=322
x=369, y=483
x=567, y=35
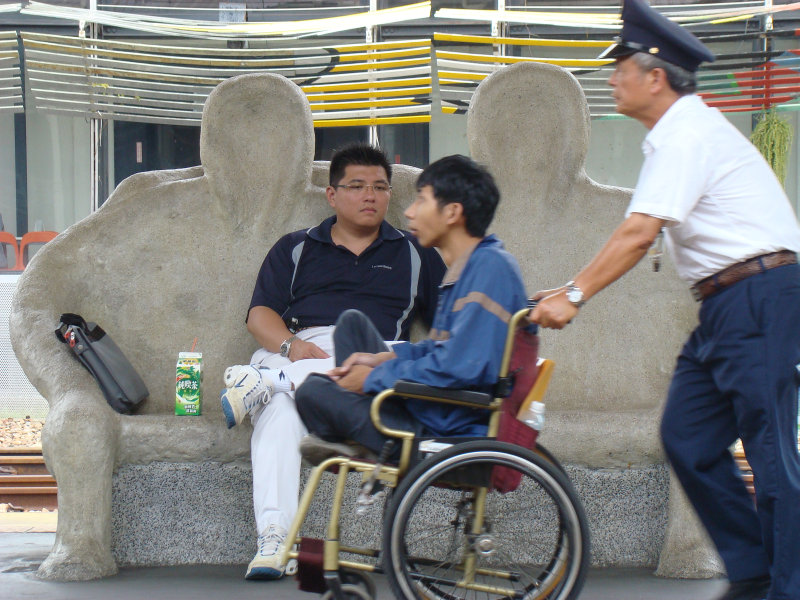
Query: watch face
x=575, y=295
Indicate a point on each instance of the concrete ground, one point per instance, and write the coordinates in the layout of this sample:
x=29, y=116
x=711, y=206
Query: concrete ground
x=25, y=541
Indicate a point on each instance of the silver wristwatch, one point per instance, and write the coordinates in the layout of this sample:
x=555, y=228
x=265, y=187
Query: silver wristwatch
x=286, y=346
x=574, y=294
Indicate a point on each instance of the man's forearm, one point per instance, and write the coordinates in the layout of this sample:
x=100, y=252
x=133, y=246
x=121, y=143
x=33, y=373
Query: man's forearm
x=267, y=327
x=623, y=250
x=626, y=247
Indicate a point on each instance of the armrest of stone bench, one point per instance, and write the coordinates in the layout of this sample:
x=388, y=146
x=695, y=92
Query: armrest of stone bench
x=603, y=440
x=169, y=438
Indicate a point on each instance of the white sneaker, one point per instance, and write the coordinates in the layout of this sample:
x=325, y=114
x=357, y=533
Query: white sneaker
x=245, y=390
x=265, y=564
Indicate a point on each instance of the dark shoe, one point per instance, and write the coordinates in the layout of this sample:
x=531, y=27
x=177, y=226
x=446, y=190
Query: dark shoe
x=316, y=450
x=748, y=589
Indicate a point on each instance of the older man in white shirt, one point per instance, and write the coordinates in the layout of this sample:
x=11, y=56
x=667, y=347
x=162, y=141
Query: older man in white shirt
x=734, y=238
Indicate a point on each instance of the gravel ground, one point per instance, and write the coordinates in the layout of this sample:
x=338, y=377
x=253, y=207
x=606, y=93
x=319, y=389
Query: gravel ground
x=20, y=432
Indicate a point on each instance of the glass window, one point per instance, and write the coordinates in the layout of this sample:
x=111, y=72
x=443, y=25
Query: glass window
x=151, y=147
x=405, y=144
x=328, y=140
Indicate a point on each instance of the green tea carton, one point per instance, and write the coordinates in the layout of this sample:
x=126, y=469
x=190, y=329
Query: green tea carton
x=189, y=383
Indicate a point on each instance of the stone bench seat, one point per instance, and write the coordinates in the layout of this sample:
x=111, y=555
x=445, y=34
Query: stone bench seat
x=166, y=438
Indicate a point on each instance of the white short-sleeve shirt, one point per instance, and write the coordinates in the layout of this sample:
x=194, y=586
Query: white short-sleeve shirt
x=720, y=199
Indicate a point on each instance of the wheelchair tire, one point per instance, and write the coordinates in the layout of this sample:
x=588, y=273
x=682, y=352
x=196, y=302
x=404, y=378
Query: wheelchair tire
x=532, y=542
x=359, y=578
x=545, y=453
x=350, y=592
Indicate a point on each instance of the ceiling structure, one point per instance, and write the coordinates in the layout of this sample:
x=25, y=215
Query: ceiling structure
x=153, y=66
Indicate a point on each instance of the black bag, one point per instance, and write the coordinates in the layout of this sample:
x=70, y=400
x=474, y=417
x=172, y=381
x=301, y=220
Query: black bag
x=118, y=380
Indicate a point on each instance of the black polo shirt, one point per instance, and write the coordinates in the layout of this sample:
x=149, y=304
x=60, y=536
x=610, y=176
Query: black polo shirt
x=306, y=277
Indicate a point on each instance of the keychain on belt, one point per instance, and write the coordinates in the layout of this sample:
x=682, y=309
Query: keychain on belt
x=657, y=250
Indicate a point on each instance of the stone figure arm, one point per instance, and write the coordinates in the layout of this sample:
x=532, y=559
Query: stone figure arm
x=623, y=250
x=269, y=330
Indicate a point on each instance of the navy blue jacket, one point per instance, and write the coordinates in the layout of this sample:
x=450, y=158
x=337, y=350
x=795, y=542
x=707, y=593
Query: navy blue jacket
x=306, y=277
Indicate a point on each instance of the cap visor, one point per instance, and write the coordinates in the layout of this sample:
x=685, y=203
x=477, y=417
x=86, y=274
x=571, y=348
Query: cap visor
x=617, y=50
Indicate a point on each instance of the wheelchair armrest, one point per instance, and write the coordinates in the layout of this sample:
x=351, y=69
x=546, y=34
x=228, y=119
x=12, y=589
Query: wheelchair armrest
x=427, y=392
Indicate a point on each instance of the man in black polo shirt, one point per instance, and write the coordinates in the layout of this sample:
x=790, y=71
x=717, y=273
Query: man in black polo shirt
x=351, y=260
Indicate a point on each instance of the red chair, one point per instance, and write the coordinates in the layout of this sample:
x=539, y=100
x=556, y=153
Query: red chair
x=15, y=259
x=32, y=237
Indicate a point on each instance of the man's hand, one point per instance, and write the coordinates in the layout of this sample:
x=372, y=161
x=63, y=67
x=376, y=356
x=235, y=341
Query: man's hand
x=301, y=349
x=545, y=293
x=366, y=359
x=269, y=330
x=554, y=311
x=356, y=367
x=354, y=379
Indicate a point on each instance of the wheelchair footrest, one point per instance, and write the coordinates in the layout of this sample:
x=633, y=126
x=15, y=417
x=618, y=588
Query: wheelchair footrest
x=309, y=566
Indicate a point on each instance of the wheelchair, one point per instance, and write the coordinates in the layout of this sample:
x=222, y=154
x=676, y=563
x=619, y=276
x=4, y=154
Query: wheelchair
x=493, y=517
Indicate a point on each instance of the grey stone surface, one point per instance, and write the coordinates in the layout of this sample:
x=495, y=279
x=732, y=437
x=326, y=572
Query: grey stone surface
x=183, y=513
x=21, y=554
x=687, y=539
x=193, y=513
x=171, y=255
x=627, y=512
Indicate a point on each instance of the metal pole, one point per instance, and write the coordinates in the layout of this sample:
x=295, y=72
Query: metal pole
x=763, y=44
x=95, y=132
x=499, y=29
x=768, y=21
x=370, y=35
x=767, y=46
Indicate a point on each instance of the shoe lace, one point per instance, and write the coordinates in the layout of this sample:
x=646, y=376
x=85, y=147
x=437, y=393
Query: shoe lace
x=256, y=396
x=269, y=543
x=259, y=394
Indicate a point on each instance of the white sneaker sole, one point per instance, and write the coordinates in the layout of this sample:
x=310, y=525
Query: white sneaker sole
x=229, y=409
x=264, y=573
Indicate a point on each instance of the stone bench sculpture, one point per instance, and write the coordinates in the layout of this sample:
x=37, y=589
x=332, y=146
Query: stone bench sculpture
x=173, y=254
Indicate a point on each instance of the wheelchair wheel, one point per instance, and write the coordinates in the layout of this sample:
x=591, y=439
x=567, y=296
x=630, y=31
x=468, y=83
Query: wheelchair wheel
x=449, y=535
x=359, y=578
x=350, y=592
x=547, y=455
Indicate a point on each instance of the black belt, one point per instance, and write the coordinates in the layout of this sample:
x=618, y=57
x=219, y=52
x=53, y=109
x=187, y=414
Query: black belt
x=735, y=273
x=294, y=325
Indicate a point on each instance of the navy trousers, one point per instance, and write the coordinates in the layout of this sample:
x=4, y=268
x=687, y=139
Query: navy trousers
x=736, y=377
x=336, y=414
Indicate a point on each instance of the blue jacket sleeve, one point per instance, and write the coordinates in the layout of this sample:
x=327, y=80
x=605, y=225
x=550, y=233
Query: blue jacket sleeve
x=471, y=355
x=408, y=351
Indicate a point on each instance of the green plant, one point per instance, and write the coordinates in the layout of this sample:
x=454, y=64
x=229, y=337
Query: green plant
x=773, y=138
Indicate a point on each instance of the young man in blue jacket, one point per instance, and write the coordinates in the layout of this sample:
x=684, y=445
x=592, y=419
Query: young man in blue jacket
x=456, y=200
